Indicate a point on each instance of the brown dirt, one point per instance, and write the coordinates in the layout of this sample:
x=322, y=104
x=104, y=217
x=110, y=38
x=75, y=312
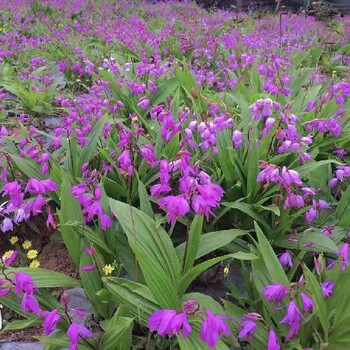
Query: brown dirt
x=25, y=335
x=54, y=256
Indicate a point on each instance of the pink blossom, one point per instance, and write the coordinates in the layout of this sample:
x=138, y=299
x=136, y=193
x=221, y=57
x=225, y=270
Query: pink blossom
x=327, y=288
x=51, y=319
x=247, y=329
x=292, y=318
x=285, y=259
x=175, y=207
x=307, y=302
x=170, y=322
x=273, y=343
x=88, y=268
x=6, y=225
x=275, y=292
x=212, y=328
x=75, y=332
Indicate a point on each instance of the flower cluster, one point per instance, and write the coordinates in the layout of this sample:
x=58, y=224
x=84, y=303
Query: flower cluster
x=195, y=188
x=89, y=196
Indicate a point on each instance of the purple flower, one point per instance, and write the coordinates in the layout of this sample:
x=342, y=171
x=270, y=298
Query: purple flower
x=175, y=206
x=75, y=332
x=170, y=322
x=237, y=138
x=289, y=177
x=88, y=268
x=158, y=189
x=311, y=215
x=275, y=292
x=23, y=283
x=144, y=102
x=327, y=288
x=310, y=105
x=285, y=259
x=327, y=230
x=105, y=221
x=247, y=330
x=51, y=319
x=30, y=304
x=209, y=197
x=273, y=343
x=322, y=204
x=332, y=182
x=341, y=153
x=3, y=131
x=307, y=302
x=7, y=225
x=212, y=328
x=344, y=254
x=292, y=318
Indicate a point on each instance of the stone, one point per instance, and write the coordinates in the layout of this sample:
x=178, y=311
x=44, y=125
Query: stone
x=21, y=346
x=77, y=300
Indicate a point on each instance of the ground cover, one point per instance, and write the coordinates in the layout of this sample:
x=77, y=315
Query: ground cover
x=188, y=169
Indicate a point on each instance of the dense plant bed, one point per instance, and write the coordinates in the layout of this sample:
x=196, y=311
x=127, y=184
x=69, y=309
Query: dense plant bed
x=169, y=148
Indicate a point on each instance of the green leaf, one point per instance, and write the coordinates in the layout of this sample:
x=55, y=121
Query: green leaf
x=194, y=237
x=343, y=209
x=225, y=151
x=192, y=274
x=92, y=234
x=21, y=324
x=91, y=147
x=212, y=241
x=70, y=211
x=273, y=208
x=172, y=147
x=61, y=339
x=340, y=300
x=27, y=167
x=135, y=297
x=205, y=301
x=47, y=278
x=252, y=170
x=247, y=209
x=91, y=281
x=321, y=242
x=118, y=335
x=154, y=251
x=272, y=264
x=145, y=203
x=310, y=166
x=165, y=90
x=320, y=307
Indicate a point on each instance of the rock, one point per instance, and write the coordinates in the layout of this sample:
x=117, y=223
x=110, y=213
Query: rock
x=76, y=300
x=21, y=346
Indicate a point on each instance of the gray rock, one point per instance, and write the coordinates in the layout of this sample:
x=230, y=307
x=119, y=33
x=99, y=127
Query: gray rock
x=77, y=300
x=21, y=346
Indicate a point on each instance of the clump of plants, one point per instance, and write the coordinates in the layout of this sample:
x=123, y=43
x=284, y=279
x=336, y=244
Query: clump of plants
x=189, y=145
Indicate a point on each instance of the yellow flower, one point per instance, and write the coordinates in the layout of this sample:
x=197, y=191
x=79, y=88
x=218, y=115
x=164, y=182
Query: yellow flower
x=32, y=254
x=7, y=254
x=13, y=240
x=34, y=263
x=27, y=244
x=108, y=269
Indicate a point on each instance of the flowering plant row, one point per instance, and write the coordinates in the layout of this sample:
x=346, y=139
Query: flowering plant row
x=181, y=141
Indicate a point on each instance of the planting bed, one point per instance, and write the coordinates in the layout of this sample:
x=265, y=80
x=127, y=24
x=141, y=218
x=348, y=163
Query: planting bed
x=173, y=178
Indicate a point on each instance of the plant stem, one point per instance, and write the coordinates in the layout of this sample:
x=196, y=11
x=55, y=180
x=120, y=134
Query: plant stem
x=186, y=246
